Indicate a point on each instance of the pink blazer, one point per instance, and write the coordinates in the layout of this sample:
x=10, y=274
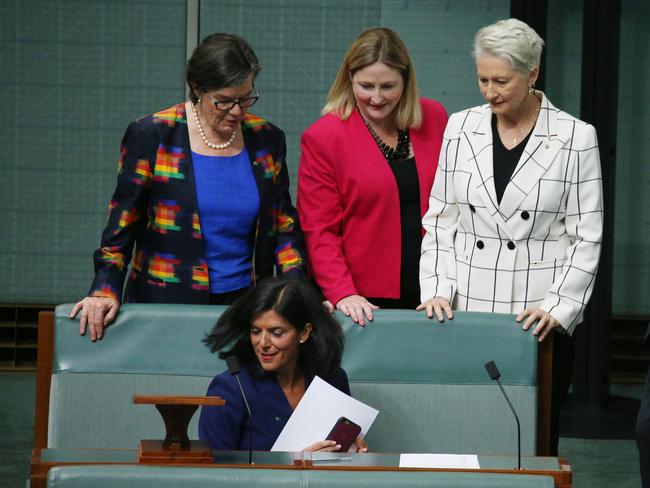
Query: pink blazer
x=348, y=202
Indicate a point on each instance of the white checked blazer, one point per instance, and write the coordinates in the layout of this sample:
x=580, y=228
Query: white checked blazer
x=540, y=247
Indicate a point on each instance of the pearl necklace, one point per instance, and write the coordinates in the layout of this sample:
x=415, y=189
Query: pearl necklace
x=211, y=145
x=529, y=125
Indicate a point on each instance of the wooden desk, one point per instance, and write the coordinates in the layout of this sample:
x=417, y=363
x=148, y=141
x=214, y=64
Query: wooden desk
x=44, y=459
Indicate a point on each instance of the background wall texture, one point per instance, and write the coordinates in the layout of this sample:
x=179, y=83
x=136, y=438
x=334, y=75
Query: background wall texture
x=76, y=72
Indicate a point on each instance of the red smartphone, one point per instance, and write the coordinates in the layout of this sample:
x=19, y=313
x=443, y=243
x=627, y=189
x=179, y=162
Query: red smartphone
x=344, y=433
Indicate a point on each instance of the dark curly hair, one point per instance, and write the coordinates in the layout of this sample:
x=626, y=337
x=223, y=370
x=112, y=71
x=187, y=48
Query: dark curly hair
x=299, y=304
x=221, y=60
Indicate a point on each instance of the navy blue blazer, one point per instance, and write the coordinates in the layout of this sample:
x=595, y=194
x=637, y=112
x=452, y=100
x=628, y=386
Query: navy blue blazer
x=226, y=427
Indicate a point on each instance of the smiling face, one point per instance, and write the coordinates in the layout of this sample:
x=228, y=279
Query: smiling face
x=276, y=342
x=224, y=122
x=502, y=87
x=377, y=90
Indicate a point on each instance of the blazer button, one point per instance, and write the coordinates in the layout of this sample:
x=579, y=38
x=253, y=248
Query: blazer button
x=471, y=207
x=480, y=244
x=511, y=245
x=525, y=215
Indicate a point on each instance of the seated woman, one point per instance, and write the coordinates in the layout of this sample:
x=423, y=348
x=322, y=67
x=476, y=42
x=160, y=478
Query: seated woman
x=283, y=336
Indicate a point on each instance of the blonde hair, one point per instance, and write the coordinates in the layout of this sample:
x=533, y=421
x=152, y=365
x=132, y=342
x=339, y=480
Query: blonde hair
x=376, y=45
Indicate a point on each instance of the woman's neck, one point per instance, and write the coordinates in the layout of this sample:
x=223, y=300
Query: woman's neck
x=291, y=378
x=522, y=116
x=198, y=145
x=385, y=127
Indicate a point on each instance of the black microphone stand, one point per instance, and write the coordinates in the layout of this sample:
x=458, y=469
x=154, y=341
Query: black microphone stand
x=233, y=367
x=493, y=371
x=250, y=423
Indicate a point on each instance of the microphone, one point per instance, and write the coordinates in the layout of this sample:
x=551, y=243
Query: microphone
x=494, y=374
x=233, y=368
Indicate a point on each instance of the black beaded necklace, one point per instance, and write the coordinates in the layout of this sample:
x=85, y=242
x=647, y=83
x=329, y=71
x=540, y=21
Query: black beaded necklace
x=397, y=153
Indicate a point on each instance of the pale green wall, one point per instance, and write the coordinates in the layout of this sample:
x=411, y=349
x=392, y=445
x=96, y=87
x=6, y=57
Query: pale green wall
x=75, y=72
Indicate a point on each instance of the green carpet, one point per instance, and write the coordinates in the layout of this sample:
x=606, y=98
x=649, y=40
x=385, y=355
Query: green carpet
x=600, y=463
x=16, y=427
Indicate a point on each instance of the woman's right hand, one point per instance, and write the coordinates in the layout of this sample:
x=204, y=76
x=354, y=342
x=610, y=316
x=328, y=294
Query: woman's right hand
x=437, y=305
x=96, y=313
x=357, y=308
x=323, y=446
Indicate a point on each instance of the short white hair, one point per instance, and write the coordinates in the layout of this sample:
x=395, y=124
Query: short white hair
x=511, y=40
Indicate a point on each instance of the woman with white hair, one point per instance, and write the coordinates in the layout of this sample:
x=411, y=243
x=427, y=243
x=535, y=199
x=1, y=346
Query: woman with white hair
x=515, y=214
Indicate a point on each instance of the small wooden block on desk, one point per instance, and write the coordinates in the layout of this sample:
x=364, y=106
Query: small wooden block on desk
x=152, y=452
x=177, y=412
x=212, y=401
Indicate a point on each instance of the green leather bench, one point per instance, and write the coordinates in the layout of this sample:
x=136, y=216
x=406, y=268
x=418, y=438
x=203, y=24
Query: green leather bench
x=172, y=477
x=427, y=379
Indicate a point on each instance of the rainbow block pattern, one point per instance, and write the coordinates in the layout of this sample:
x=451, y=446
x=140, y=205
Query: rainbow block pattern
x=200, y=280
x=170, y=116
x=165, y=213
x=288, y=257
x=265, y=160
x=254, y=122
x=106, y=291
x=142, y=174
x=162, y=267
x=112, y=255
x=167, y=163
x=196, y=226
x=281, y=222
x=127, y=217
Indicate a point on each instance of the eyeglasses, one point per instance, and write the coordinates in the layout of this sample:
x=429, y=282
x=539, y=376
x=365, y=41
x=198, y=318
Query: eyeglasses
x=227, y=105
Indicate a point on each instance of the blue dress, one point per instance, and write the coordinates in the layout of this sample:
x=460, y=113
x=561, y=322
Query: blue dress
x=226, y=427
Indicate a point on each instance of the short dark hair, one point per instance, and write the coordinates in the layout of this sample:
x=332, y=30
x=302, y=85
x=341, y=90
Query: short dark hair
x=221, y=60
x=299, y=304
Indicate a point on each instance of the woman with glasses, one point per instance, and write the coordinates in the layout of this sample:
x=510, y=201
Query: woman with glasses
x=365, y=174
x=202, y=193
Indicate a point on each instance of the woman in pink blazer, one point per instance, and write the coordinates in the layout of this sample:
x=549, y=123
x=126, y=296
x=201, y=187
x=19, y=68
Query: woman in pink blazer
x=366, y=171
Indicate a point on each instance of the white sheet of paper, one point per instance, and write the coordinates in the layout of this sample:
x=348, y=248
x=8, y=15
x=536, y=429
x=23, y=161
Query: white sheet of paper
x=453, y=461
x=318, y=410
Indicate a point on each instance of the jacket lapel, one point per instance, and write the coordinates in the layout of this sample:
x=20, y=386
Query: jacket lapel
x=479, y=141
x=262, y=162
x=539, y=153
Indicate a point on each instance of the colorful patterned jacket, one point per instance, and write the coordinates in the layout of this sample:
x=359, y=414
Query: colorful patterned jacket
x=155, y=208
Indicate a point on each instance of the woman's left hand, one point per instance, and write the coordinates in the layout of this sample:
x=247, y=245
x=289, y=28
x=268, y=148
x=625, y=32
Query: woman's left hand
x=328, y=306
x=360, y=445
x=323, y=446
x=545, y=322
